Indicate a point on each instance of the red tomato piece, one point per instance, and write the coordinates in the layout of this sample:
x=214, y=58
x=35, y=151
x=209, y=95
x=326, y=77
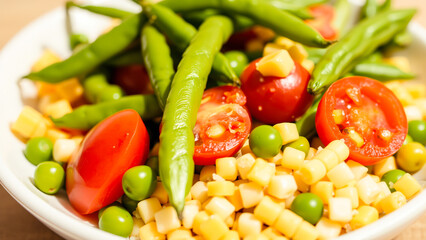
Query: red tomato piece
x=275, y=99
x=323, y=21
x=94, y=173
x=222, y=126
x=133, y=79
x=366, y=115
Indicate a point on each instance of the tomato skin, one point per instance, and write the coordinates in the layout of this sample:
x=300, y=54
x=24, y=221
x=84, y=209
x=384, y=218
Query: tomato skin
x=274, y=99
x=224, y=106
x=133, y=79
x=323, y=21
x=95, y=171
x=390, y=107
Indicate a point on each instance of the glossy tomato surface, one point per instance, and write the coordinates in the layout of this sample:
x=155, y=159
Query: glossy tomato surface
x=133, y=79
x=113, y=146
x=359, y=106
x=222, y=126
x=323, y=21
x=275, y=99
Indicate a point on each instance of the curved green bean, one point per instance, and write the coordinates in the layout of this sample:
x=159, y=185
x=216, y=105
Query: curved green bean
x=125, y=59
x=101, y=10
x=381, y=72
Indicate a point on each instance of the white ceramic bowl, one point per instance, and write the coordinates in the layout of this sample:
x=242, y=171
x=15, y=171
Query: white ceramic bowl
x=54, y=211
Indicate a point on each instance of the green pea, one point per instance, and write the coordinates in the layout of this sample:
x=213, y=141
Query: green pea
x=129, y=203
x=139, y=182
x=110, y=92
x=309, y=206
x=93, y=86
x=301, y=144
x=101, y=211
x=265, y=141
x=238, y=61
x=38, y=150
x=116, y=220
x=49, y=177
x=417, y=130
x=152, y=162
x=391, y=177
x=408, y=139
x=411, y=157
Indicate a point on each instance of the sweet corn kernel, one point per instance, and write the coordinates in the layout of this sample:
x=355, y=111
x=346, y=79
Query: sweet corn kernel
x=248, y=225
x=58, y=108
x=401, y=93
x=416, y=89
x=282, y=186
x=199, y=218
x=137, y=224
x=261, y=172
x=306, y=231
x=40, y=130
x=271, y=48
x=220, y=188
x=149, y=232
x=47, y=58
x=268, y=210
x=235, y=199
x=160, y=193
x=292, y=158
x=167, y=220
x=206, y=173
x=47, y=100
x=277, y=64
x=288, y=222
x=199, y=191
x=407, y=185
x=284, y=42
x=367, y=189
x=281, y=170
x=288, y=132
x=251, y=194
x=399, y=62
x=244, y=164
x=54, y=134
x=392, y=202
x=364, y=216
x=328, y=229
x=350, y=193
x=301, y=185
x=311, y=153
x=230, y=235
x=328, y=158
x=308, y=64
x=271, y=233
x=220, y=206
x=384, y=166
x=358, y=170
x=227, y=168
x=27, y=122
x=341, y=175
x=324, y=190
x=340, y=148
x=263, y=33
x=298, y=52
x=70, y=89
x=340, y=209
x=312, y=171
x=412, y=112
x=245, y=148
x=63, y=149
x=147, y=209
x=229, y=221
x=213, y=228
x=189, y=212
x=258, y=236
x=179, y=234
x=276, y=159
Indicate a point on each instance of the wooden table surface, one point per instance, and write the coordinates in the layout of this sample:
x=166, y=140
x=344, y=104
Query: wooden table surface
x=15, y=221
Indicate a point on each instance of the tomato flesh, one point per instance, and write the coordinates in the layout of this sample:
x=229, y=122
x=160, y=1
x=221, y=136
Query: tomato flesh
x=371, y=119
x=323, y=21
x=95, y=171
x=222, y=125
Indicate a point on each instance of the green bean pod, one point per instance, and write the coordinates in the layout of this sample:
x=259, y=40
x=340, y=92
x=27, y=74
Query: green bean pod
x=176, y=137
x=369, y=9
x=342, y=11
x=158, y=62
x=261, y=12
x=125, y=59
x=381, y=72
x=101, y=10
x=92, y=55
x=298, y=11
x=87, y=116
x=306, y=123
x=360, y=42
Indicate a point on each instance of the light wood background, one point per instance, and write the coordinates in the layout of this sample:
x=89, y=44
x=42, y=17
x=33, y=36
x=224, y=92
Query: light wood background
x=15, y=221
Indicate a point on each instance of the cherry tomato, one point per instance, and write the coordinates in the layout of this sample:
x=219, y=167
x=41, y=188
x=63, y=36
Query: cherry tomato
x=274, y=99
x=133, y=79
x=323, y=21
x=366, y=114
x=222, y=126
x=94, y=173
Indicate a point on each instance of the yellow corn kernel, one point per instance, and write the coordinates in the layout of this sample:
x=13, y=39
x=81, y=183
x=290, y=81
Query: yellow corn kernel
x=199, y=191
x=368, y=189
x=230, y=235
x=245, y=148
x=160, y=193
x=276, y=159
x=401, y=93
x=412, y=112
x=149, y=232
x=227, y=168
x=384, y=166
x=328, y=158
x=407, y=185
x=220, y=188
x=341, y=175
x=421, y=104
x=312, y=171
x=292, y=158
x=340, y=209
x=301, y=185
x=281, y=170
x=338, y=116
x=27, y=122
x=229, y=221
x=392, y=202
x=261, y=172
x=271, y=48
x=220, y=206
x=235, y=199
x=263, y=33
x=277, y=64
x=54, y=134
x=179, y=234
x=206, y=173
x=282, y=186
x=255, y=45
x=47, y=58
x=167, y=220
x=137, y=224
x=298, y=52
x=268, y=210
x=328, y=229
x=350, y=193
x=340, y=148
x=40, y=130
x=63, y=149
x=248, y=224
x=147, y=209
x=70, y=89
x=284, y=42
x=324, y=190
x=251, y=194
x=288, y=132
x=199, y=218
x=308, y=64
x=306, y=231
x=58, y=108
x=399, y=62
x=47, y=100
x=213, y=228
x=244, y=164
x=189, y=212
x=364, y=216
x=273, y=233
x=375, y=178
x=416, y=89
x=288, y=222
x=358, y=170
x=311, y=153
x=258, y=236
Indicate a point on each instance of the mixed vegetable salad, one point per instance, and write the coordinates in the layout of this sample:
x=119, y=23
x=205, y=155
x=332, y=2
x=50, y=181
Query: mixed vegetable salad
x=222, y=119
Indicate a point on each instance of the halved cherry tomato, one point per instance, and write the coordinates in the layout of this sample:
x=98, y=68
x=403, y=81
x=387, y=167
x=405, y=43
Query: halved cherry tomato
x=323, y=21
x=94, y=173
x=275, y=99
x=366, y=114
x=133, y=79
x=222, y=126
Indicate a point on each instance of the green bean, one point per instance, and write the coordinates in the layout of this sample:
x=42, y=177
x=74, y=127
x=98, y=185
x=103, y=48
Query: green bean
x=93, y=84
x=315, y=54
x=361, y=41
x=125, y=59
x=386, y=5
x=176, y=137
x=261, y=12
x=343, y=11
x=297, y=10
x=106, y=11
x=198, y=17
x=306, y=124
x=87, y=116
x=158, y=62
x=381, y=71
x=92, y=55
x=370, y=9
x=180, y=33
